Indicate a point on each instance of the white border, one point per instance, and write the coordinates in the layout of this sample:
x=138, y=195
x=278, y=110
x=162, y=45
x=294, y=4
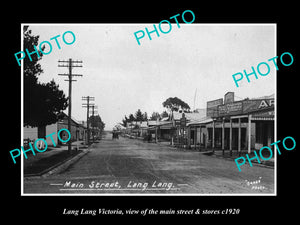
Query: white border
x=133, y=194
x=22, y=112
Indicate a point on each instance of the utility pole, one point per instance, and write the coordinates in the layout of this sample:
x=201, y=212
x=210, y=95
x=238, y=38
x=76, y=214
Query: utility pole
x=87, y=105
x=93, y=121
x=70, y=64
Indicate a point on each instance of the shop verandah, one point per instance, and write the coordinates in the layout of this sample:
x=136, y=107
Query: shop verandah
x=233, y=135
x=230, y=135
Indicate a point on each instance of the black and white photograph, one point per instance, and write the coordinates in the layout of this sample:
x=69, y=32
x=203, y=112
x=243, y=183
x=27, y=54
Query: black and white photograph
x=144, y=109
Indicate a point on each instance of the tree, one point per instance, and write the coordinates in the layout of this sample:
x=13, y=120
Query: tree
x=46, y=105
x=42, y=101
x=139, y=115
x=96, y=122
x=164, y=114
x=131, y=118
x=145, y=116
x=174, y=104
x=155, y=116
x=32, y=69
x=125, y=121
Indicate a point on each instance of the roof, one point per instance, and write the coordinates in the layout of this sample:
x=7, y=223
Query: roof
x=263, y=115
x=160, y=124
x=152, y=123
x=119, y=127
x=140, y=124
x=264, y=97
x=203, y=121
x=166, y=126
x=65, y=116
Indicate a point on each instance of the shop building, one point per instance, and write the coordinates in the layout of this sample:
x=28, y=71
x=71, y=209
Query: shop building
x=234, y=125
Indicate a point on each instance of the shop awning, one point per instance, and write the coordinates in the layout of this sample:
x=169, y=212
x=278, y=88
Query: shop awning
x=262, y=118
x=208, y=120
x=267, y=115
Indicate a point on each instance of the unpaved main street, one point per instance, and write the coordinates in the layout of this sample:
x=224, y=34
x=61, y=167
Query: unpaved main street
x=129, y=166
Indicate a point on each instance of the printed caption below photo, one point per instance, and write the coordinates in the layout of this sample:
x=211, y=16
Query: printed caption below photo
x=149, y=211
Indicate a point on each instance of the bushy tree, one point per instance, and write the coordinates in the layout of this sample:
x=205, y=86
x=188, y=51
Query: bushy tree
x=139, y=115
x=96, y=121
x=42, y=101
x=155, y=116
x=175, y=104
x=45, y=105
x=145, y=116
x=164, y=114
x=125, y=121
x=131, y=118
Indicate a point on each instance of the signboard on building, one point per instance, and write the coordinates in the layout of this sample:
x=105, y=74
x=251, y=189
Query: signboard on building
x=213, y=103
x=265, y=115
x=257, y=104
x=212, y=107
x=233, y=108
x=217, y=108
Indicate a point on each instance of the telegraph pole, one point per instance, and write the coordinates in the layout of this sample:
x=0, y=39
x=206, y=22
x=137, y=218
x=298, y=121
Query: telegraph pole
x=93, y=114
x=70, y=64
x=87, y=105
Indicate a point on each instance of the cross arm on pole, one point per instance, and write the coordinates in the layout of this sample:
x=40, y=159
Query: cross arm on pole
x=90, y=105
x=65, y=74
x=77, y=75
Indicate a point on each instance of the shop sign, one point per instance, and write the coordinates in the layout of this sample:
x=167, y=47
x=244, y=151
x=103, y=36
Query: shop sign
x=231, y=108
x=213, y=103
x=253, y=105
x=212, y=107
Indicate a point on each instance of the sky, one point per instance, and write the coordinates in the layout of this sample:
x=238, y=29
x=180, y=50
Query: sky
x=124, y=76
